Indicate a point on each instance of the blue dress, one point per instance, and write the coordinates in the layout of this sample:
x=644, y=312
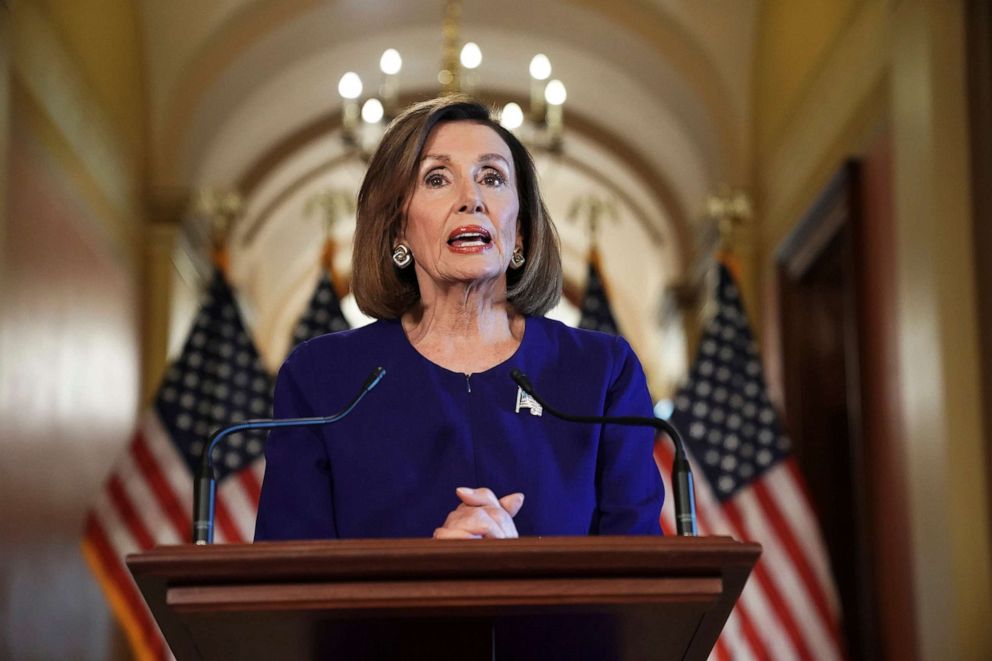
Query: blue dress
x=390, y=469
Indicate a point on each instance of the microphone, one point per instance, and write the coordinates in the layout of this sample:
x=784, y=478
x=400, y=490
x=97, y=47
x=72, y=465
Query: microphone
x=685, y=499
x=204, y=488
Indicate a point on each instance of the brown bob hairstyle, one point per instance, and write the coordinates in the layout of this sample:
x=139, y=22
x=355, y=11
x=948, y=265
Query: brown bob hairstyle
x=385, y=292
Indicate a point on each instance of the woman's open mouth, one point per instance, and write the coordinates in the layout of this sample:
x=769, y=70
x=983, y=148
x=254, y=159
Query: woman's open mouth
x=470, y=238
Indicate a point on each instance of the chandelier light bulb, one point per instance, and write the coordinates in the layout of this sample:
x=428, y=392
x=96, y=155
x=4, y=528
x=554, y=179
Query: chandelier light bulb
x=540, y=67
x=350, y=86
x=512, y=116
x=471, y=56
x=555, y=93
x=390, y=63
x=372, y=111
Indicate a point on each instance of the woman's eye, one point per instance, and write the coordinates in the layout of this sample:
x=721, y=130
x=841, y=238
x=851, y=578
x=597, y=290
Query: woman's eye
x=492, y=177
x=434, y=180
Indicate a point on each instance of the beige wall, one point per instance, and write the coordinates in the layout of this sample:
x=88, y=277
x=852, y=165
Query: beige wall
x=862, y=69
x=69, y=315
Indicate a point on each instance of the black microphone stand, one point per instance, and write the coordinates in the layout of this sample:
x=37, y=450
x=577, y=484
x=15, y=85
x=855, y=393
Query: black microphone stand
x=685, y=499
x=204, y=486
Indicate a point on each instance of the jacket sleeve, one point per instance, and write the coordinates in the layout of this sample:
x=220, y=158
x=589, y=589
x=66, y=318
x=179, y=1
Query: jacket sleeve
x=296, y=500
x=629, y=487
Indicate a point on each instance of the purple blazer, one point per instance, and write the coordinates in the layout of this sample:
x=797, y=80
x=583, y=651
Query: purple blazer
x=390, y=469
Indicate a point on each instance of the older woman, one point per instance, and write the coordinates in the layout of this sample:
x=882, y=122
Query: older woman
x=456, y=257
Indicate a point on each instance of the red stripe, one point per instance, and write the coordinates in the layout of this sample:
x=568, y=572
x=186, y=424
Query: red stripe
x=249, y=482
x=750, y=633
x=225, y=521
x=128, y=515
x=115, y=570
x=663, y=458
x=778, y=603
x=720, y=651
x=799, y=559
x=181, y=521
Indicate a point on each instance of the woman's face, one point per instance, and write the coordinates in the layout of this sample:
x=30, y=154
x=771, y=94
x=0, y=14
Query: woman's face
x=461, y=219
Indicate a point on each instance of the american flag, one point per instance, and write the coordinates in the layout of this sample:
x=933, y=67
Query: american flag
x=323, y=314
x=596, y=312
x=147, y=500
x=748, y=486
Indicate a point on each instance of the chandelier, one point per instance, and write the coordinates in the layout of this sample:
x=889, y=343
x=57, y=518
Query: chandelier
x=364, y=119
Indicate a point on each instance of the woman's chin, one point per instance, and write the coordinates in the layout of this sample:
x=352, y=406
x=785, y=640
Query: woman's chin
x=472, y=278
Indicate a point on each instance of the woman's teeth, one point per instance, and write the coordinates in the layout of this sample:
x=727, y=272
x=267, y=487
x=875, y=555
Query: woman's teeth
x=469, y=240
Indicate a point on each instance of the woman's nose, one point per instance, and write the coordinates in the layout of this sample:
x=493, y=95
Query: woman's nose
x=471, y=199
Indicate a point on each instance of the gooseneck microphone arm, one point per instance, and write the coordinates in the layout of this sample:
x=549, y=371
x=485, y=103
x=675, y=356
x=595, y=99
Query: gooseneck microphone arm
x=685, y=500
x=204, y=487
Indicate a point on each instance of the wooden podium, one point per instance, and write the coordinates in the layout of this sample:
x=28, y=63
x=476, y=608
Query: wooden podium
x=541, y=598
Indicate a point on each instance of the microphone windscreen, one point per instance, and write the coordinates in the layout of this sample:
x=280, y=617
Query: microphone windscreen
x=522, y=381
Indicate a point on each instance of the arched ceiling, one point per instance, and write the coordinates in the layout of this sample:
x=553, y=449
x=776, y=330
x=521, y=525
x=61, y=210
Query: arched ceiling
x=657, y=116
x=669, y=77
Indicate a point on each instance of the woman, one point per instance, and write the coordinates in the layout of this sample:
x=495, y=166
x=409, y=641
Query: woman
x=456, y=256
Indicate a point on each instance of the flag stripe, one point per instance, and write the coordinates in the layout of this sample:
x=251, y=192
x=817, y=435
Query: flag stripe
x=778, y=603
x=798, y=558
x=743, y=641
x=721, y=651
x=242, y=511
x=785, y=577
x=180, y=521
x=794, y=504
x=663, y=457
x=126, y=513
x=734, y=642
x=224, y=523
x=753, y=604
x=251, y=484
x=750, y=633
x=173, y=468
x=140, y=496
x=140, y=627
x=118, y=604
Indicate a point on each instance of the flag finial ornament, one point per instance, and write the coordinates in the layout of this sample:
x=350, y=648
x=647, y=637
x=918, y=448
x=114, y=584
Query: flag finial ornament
x=592, y=209
x=221, y=209
x=729, y=208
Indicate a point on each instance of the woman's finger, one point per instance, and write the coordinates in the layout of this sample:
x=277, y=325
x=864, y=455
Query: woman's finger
x=476, y=497
x=489, y=521
x=512, y=503
x=454, y=533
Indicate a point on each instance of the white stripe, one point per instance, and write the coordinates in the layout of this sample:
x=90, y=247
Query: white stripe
x=144, y=502
x=792, y=503
x=734, y=641
x=668, y=507
x=119, y=536
x=121, y=542
x=782, y=573
x=765, y=620
x=239, y=505
x=258, y=467
x=173, y=467
x=710, y=521
x=753, y=599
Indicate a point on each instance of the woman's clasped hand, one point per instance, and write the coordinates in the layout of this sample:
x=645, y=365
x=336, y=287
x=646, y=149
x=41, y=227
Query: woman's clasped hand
x=481, y=514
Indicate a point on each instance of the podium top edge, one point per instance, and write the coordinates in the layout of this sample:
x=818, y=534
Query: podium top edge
x=560, y=555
